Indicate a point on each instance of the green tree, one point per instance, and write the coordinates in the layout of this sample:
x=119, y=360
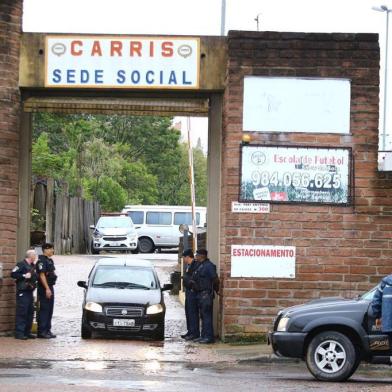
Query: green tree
x=183, y=193
x=110, y=194
x=45, y=163
x=152, y=141
x=141, y=155
x=141, y=186
x=200, y=175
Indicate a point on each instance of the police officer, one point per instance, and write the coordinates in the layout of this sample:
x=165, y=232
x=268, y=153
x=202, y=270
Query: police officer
x=382, y=305
x=26, y=282
x=191, y=307
x=205, y=281
x=46, y=280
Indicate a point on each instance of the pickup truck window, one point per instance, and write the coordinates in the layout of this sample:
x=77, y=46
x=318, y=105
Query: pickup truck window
x=369, y=295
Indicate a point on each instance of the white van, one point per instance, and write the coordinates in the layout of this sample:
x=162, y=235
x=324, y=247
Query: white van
x=157, y=226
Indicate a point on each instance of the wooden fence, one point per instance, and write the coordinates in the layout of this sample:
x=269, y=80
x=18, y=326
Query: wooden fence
x=67, y=220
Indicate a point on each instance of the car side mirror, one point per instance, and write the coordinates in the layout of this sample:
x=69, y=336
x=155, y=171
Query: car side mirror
x=82, y=283
x=167, y=286
x=92, y=227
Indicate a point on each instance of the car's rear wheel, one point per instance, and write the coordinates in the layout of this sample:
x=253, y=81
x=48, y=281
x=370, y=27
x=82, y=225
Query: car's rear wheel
x=331, y=356
x=145, y=245
x=86, y=332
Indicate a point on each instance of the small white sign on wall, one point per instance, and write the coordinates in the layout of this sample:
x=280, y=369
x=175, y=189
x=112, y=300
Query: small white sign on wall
x=262, y=261
x=281, y=104
x=261, y=208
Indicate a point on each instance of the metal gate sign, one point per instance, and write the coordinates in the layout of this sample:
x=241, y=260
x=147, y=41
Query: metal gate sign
x=295, y=174
x=122, y=62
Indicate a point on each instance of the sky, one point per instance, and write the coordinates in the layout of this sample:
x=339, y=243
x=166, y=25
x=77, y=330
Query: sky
x=203, y=17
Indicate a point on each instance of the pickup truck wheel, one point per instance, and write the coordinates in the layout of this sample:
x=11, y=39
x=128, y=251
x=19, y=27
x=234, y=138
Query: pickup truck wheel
x=145, y=245
x=331, y=356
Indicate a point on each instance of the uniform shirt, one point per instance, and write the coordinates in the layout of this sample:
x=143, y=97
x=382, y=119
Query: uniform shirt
x=189, y=270
x=46, y=265
x=382, y=303
x=22, y=283
x=205, y=276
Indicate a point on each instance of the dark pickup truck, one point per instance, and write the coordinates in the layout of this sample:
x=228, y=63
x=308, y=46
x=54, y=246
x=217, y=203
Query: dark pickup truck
x=333, y=335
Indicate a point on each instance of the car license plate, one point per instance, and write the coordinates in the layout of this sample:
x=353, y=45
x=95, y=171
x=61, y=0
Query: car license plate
x=123, y=323
x=115, y=243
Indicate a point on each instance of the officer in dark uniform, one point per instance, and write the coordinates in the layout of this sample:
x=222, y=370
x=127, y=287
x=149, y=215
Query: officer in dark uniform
x=46, y=280
x=191, y=307
x=205, y=282
x=26, y=282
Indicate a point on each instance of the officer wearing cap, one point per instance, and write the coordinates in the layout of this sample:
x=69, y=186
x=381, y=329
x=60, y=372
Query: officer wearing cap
x=206, y=281
x=26, y=282
x=191, y=307
x=46, y=280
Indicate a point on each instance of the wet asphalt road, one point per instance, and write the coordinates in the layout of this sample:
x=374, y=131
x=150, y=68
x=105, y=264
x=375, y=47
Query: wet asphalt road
x=161, y=376
x=68, y=363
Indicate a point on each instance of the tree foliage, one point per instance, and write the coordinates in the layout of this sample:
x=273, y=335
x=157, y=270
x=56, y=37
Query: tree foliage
x=117, y=160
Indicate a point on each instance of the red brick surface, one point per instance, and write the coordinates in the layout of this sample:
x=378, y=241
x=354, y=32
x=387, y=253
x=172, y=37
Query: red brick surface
x=10, y=30
x=340, y=250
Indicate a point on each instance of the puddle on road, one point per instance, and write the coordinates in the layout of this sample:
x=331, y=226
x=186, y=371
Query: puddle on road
x=145, y=367
x=25, y=364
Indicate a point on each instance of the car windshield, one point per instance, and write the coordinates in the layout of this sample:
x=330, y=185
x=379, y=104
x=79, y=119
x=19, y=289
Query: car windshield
x=108, y=221
x=124, y=277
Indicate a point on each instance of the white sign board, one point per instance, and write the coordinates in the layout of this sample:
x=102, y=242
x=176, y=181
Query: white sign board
x=122, y=62
x=279, y=104
x=262, y=208
x=262, y=261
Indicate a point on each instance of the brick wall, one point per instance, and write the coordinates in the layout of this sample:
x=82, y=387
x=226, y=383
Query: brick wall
x=10, y=30
x=340, y=250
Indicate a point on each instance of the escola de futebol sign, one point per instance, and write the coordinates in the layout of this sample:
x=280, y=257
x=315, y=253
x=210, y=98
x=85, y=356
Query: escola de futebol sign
x=122, y=62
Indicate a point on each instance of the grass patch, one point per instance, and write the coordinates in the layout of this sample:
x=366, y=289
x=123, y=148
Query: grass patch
x=245, y=339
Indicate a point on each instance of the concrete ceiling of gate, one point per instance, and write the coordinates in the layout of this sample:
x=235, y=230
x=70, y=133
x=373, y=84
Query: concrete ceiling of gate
x=213, y=60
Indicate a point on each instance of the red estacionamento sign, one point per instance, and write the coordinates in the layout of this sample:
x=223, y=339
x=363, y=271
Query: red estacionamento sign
x=263, y=261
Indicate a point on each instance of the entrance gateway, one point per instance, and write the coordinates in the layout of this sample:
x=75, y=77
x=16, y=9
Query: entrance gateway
x=296, y=212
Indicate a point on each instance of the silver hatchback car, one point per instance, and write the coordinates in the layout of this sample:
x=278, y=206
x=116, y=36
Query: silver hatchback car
x=113, y=233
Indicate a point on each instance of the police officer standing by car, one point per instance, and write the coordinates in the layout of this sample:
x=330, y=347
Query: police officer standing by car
x=26, y=282
x=46, y=280
x=382, y=305
x=191, y=307
x=205, y=280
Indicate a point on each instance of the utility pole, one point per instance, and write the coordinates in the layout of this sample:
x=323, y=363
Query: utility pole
x=257, y=21
x=192, y=185
x=223, y=17
x=384, y=8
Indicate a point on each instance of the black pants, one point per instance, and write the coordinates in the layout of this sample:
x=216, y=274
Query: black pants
x=205, y=304
x=45, y=312
x=192, y=313
x=24, y=312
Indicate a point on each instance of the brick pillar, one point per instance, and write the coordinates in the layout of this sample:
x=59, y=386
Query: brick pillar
x=340, y=251
x=10, y=35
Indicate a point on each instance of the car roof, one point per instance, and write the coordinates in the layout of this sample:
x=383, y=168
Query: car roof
x=124, y=262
